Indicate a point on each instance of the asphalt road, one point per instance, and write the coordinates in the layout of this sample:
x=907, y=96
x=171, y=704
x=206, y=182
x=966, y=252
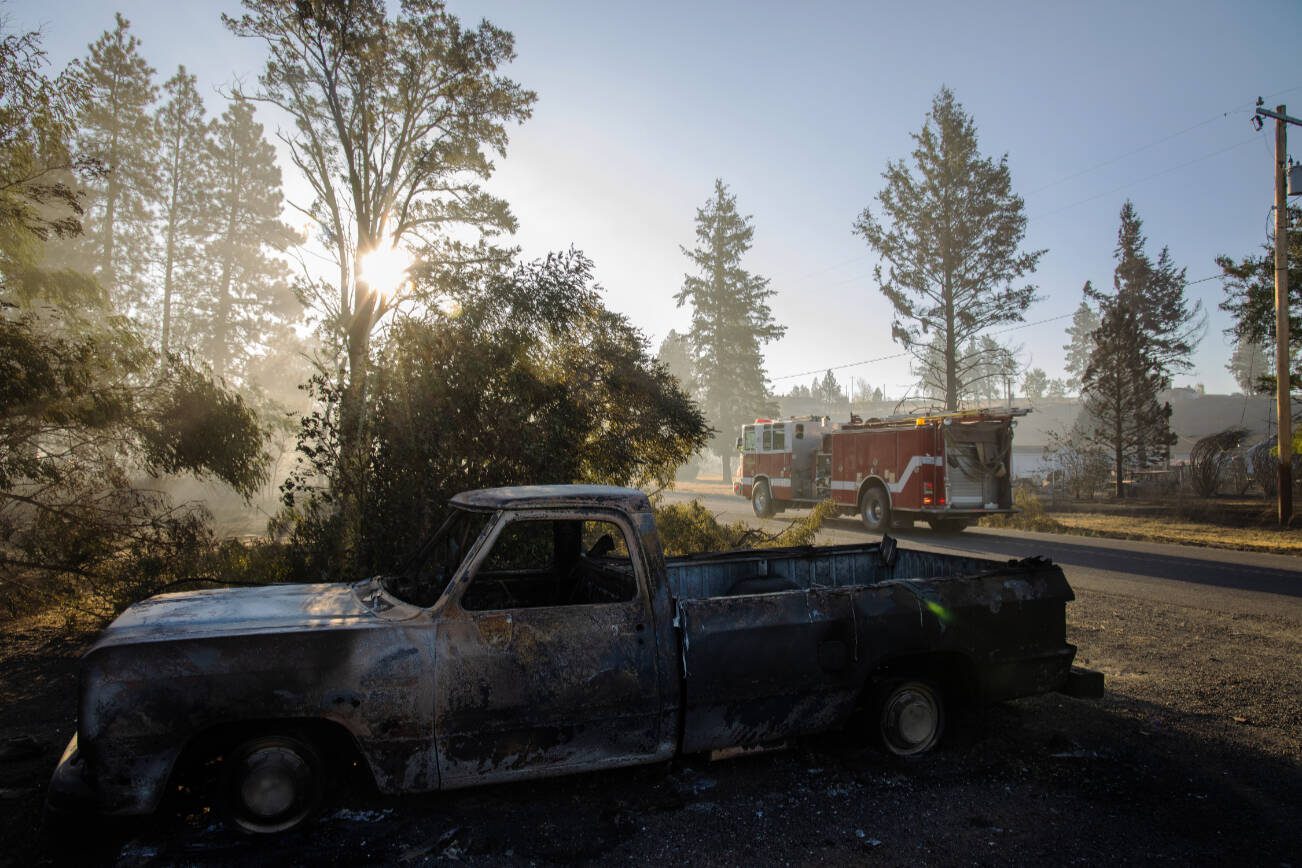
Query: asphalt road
x=1247, y=583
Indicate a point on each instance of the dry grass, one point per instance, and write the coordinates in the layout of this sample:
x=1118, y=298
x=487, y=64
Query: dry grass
x=704, y=486
x=1180, y=531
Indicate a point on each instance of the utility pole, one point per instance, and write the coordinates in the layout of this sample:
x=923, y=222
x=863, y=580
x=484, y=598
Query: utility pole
x=1283, y=395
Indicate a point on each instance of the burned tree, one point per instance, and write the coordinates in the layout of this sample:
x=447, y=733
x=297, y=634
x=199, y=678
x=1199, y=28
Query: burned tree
x=1210, y=458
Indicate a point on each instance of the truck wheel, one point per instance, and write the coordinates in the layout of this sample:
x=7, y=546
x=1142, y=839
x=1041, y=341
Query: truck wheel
x=272, y=784
x=761, y=500
x=910, y=717
x=875, y=509
x=946, y=525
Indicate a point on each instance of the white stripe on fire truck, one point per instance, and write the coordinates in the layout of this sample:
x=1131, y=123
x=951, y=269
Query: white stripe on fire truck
x=775, y=481
x=894, y=487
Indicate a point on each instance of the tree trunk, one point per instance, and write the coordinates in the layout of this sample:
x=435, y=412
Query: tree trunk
x=727, y=466
x=168, y=268
x=951, y=357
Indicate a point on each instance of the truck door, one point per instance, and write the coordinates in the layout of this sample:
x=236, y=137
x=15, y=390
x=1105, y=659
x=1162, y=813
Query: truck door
x=545, y=653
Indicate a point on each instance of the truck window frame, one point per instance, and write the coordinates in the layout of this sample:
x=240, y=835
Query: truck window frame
x=470, y=565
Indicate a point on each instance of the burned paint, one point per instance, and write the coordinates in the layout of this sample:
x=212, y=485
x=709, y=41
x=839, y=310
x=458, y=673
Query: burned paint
x=451, y=695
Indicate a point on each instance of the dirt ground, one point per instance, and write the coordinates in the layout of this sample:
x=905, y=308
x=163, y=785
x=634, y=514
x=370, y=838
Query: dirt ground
x=1193, y=756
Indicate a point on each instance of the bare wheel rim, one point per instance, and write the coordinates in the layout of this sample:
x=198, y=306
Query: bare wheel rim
x=911, y=719
x=274, y=785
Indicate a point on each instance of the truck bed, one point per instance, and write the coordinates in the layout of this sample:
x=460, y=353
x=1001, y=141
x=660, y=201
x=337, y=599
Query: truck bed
x=759, y=667
x=714, y=574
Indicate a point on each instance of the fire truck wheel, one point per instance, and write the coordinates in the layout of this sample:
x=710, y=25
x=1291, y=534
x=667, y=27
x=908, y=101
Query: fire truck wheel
x=875, y=509
x=761, y=500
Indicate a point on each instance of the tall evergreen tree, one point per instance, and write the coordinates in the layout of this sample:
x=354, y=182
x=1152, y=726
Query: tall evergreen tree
x=731, y=320
x=1250, y=299
x=1121, y=388
x=951, y=244
x=183, y=196
x=115, y=127
x=1146, y=332
x=247, y=297
x=676, y=355
x=1080, y=344
x=1250, y=362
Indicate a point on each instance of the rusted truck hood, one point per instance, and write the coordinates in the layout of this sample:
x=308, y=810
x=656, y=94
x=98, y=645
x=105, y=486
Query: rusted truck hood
x=236, y=611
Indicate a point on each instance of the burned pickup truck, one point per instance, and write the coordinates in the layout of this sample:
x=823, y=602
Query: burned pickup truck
x=541, y=631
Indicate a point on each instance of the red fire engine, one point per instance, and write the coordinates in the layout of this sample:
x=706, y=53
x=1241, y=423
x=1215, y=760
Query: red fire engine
x=947, y=469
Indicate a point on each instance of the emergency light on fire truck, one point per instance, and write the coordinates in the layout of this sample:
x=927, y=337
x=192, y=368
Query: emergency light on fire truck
x=947, y=469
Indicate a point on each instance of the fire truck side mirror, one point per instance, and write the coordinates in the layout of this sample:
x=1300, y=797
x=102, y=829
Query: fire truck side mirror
x=738, y=444
x=800, y=432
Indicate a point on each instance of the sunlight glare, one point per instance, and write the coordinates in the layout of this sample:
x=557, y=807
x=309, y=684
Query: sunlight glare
x=384, y=269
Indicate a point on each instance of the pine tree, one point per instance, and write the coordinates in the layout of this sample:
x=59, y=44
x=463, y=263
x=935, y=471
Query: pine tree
x=247, y=298
x=1080, y=344
x=676, y=355
x=115, y=127
x=1035, y=384
x=1121, y=389
x=183, y=199
x=951, y=245
x=731, y=320
x=1146, y=332
x=1250, y=285
x=1250, y=362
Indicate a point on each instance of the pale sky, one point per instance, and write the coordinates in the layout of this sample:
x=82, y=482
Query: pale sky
x=798, y=107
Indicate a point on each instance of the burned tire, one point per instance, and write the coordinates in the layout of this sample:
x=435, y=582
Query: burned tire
x=910, y=717
x=272, y=784
x=947, y=525
x=875, y=509
x=761, y=500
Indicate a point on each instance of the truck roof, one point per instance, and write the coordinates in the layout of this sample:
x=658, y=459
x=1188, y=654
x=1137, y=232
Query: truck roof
x=533, y=496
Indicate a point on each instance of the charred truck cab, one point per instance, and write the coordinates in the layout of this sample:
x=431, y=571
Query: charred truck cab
x=541, y=631
x=948, y=470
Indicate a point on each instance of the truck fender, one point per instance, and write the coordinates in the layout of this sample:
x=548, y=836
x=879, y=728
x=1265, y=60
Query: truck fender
x=872, y=480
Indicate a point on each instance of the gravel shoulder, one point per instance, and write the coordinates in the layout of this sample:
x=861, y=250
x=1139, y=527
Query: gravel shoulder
x=1193, y=756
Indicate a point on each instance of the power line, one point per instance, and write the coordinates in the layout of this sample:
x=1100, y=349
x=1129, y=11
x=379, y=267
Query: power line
x=903, y=353
x=1153, y=144
x=1157, y=174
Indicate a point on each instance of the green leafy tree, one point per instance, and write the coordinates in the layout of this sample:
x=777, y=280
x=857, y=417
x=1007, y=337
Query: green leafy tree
x=1250, y=299
x=394, y=121
x=1080, y=344
x=1035, y=384
x=949, y=234
x=184, y=198
x=246, y=301
x=1057, y=388
x=731, y=321
x=116, y=127
x=534, y=381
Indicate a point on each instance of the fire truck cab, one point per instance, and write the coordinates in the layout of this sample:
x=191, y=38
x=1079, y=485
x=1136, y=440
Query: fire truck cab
x=948, y=469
